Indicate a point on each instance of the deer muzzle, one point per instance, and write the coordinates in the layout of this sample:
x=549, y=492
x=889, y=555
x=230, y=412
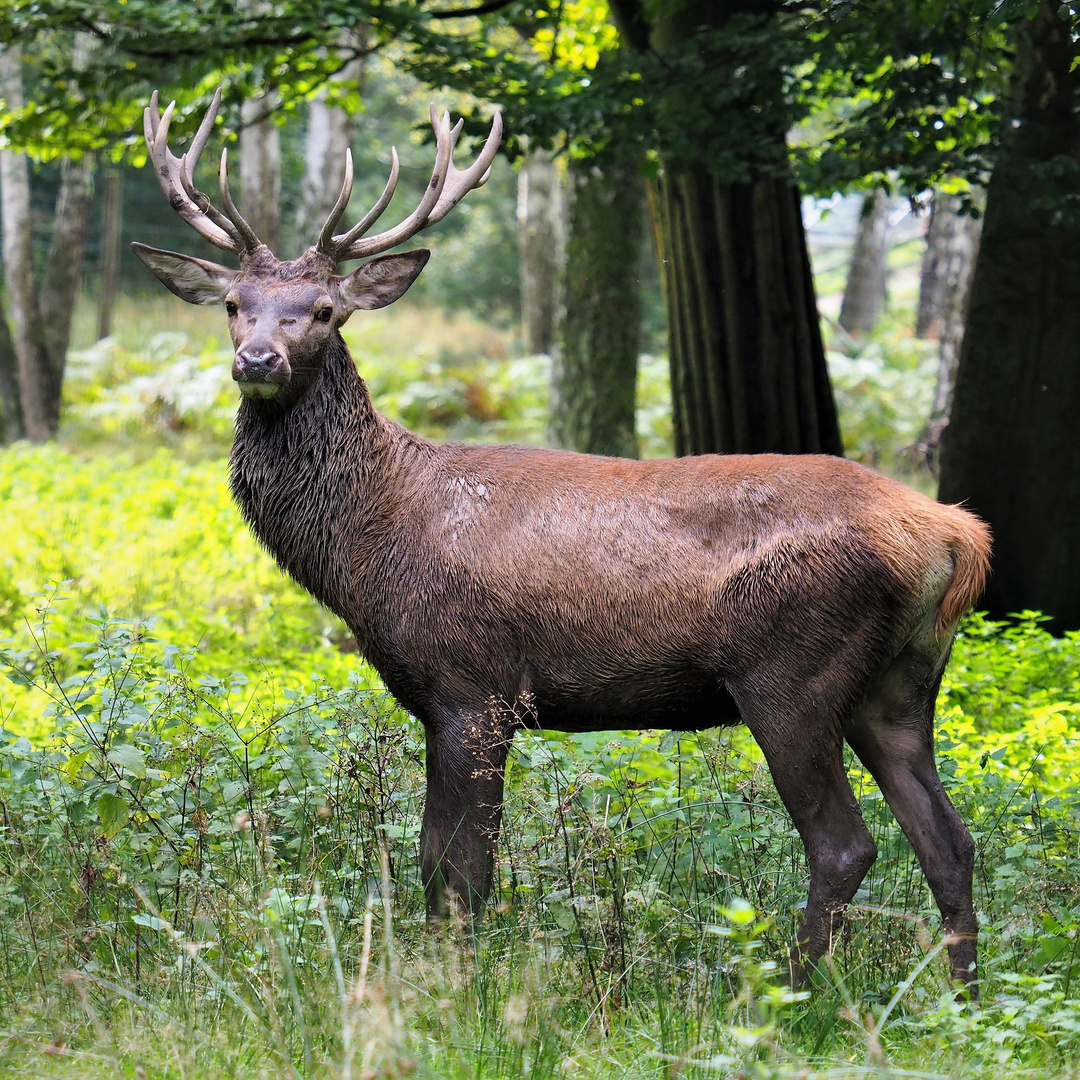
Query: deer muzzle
x=260, y=374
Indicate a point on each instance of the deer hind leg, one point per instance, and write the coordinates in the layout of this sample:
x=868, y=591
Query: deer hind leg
x=806, y=761
x=892, y=732
x=466, y=763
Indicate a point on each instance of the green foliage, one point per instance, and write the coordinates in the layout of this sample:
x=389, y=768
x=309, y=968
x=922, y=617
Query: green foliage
x=902, y=94
x=160, y=540
x=884, y=386
x=899, y=92
x=173, y=860
x=202, y=815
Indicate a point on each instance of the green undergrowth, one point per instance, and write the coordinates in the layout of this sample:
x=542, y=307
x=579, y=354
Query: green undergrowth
x=209, y=818
x=157, y=539
x=241, y=880
x=449, y=378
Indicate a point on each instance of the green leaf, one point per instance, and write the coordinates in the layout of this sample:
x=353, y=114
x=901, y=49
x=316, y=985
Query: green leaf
x=150, y=921
x=113, y=813
x=234, y=790
x=128, y=757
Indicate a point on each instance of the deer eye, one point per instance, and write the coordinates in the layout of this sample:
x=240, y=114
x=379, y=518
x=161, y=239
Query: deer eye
x=230, y=308
x=324, y=314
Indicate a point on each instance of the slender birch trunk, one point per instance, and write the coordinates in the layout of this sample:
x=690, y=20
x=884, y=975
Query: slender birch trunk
x=541, y=214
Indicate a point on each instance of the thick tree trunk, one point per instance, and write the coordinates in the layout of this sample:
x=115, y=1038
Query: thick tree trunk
x=541, y=235
x=747, y=362
x=595, y=370
x=864, y=293
x=1012, y=450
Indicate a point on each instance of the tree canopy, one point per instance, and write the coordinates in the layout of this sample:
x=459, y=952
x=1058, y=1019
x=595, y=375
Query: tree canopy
x=904, y=91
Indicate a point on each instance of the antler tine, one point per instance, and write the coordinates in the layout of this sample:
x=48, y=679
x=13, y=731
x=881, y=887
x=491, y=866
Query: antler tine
x=343, y=241
x=208, y=208
x=445, y=189
x=251, y=240
x=360, y=249
x=460, y=182
x=198, y=144
x=174, y=174
x=325, y=242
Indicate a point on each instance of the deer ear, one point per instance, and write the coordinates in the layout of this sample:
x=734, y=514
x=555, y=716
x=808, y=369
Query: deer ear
x=382, y=280
x=194, y=280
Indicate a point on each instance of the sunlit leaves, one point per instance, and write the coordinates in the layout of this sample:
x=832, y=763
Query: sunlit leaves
x=575, y=35
x=905, y=95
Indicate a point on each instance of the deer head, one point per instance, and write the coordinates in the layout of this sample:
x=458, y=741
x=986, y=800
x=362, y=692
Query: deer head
x=282, y=313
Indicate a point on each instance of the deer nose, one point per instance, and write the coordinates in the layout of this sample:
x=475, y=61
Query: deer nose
x=260, y=366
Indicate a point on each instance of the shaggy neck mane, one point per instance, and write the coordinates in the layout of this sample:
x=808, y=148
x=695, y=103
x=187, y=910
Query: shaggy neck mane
x=315, y=480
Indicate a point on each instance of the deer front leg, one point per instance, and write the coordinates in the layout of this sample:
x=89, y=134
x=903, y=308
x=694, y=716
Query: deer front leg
x=466, y=763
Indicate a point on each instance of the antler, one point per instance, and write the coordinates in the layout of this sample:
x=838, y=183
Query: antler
x=228, y=231
x=448, y=185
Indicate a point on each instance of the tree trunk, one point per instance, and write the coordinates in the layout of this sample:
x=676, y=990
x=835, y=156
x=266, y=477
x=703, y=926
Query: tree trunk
x=864, y=293
x=63, y=269
x=952, y=242
x=41, y=322
x=595, y=370
x=329, y=134
x=748, y=368
x=27, y=330
x=1012, y=450
x=260, y=169
x=111, y=229
x=11, y=421
x=541, y=235
x=747, y=362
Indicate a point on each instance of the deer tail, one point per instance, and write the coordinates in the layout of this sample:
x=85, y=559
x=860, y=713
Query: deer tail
x=969, y=546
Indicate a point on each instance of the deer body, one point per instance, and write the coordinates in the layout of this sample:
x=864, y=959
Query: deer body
x=480, y=565
x=495, y=587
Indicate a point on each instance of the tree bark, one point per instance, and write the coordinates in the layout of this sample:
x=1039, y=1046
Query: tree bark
x=63, y=268
x=260, y=169
x=594, y=373
x=27, y=329
x=329, y=134
x=748, y=368
x=864, y=293
x=1012, y=451
x=541, y=236
x=41, y=320
x=111, y=229
x=747, y=362
x=952, y=243
x=10, y=405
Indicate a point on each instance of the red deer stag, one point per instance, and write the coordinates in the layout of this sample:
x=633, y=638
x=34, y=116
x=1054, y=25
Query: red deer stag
x=500, y=586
